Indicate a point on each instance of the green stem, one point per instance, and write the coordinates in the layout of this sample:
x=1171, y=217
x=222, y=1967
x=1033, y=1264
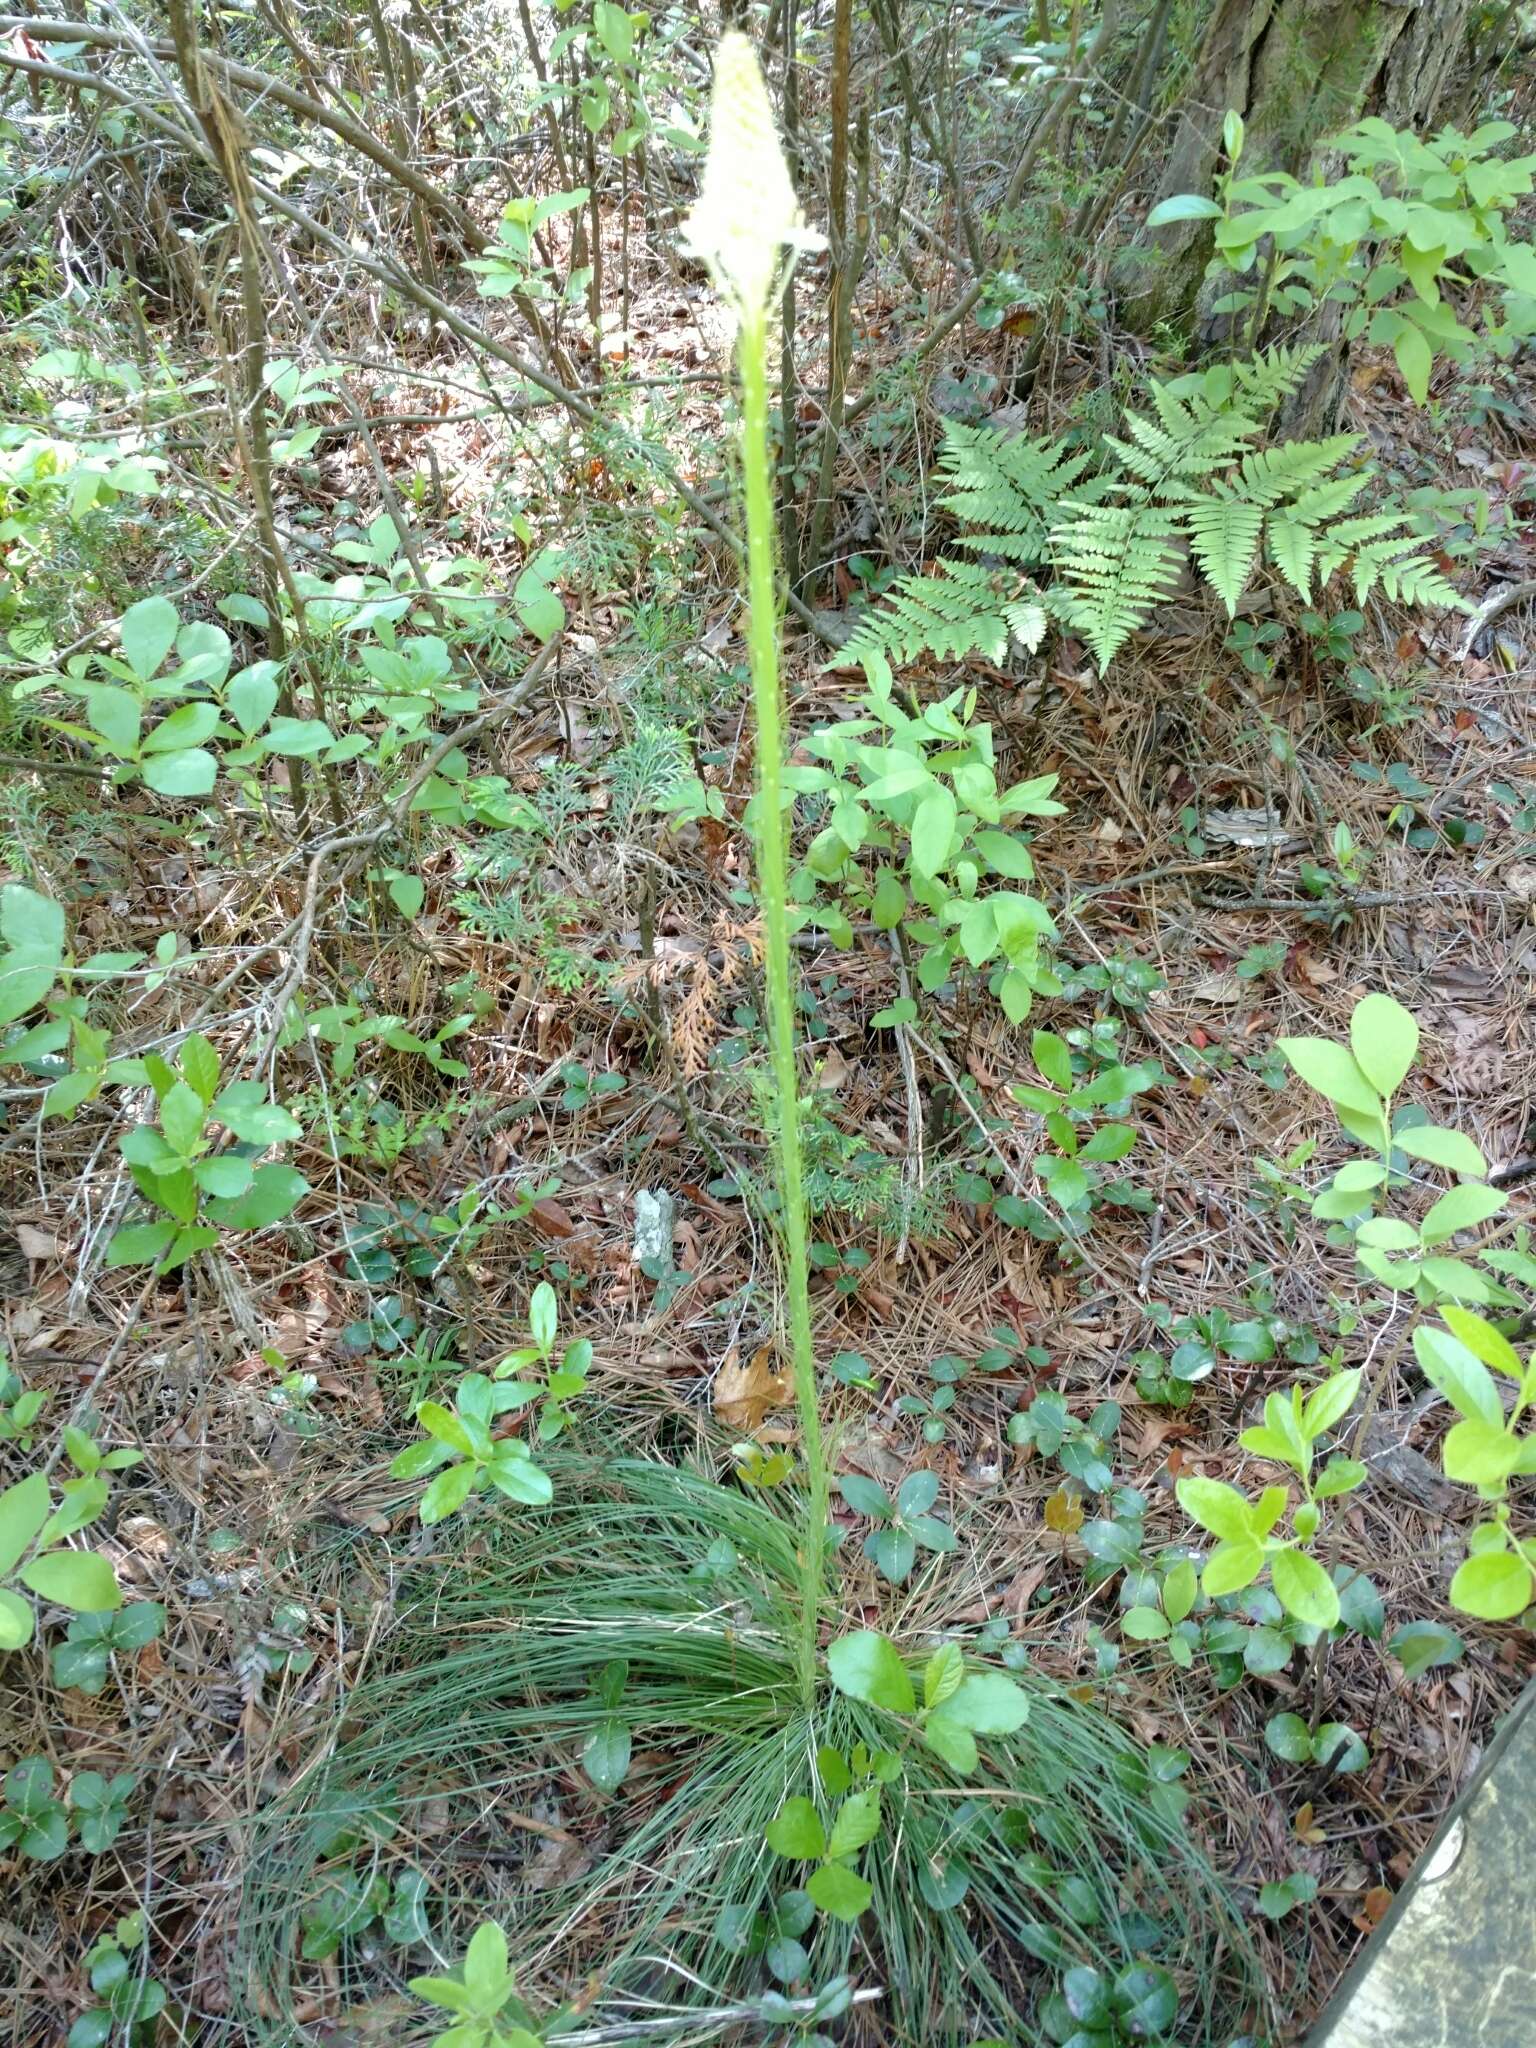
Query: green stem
x=773, y=888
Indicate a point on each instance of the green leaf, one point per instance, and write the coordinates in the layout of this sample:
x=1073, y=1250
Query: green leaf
x=1005, y=854
x=447, y=1992
x=1440, y=1147
x=1330, y=1403
x=857, y=1822
x=181, y=1118
x=1231, y=1566
x=864, y=1496
x=942, y=1675
x=1337, y=1744
x=200, y=1067
x=244, y=1108
x=946, y=1738
x=866, y=1667
x=605, y=1753
x=892, y=1552
x=188, y=726
x=1481, y=1454
x=298, y=738
x=1215, y=1506
x=1462, y=1377
x=1144, y=1625
x=906, y=776
x=140, y=1244
x=1179, y=1590
x=226, y=1177
x=273, y=1193
x=1332, y=1071
x=933, y=831
x=1278, y=1897
x=543, y=1316
x=23, y=1511
x=33, y=928
x=796, y=1831
x=1051, y=1055
x=1304, y=1589
x=1340, y=1476
x=890, y=902
x=1066, y=1182
x=1420, y=1645
x=917, y=1493
x=78, y=1579
x=251, y=697
x=1384, y=1040
x=988, y=1703
x=514, y=1473
x=447, y=1493
x=1415, y=359
x=1183, y=206
x=1461, y=1208
x=839, y=1891
x=1484, y=1340
x=486, y=1976
x=16, y=1621
x=1288, y=1737
x=148, y=633
x=192, y=772
x=117, y=716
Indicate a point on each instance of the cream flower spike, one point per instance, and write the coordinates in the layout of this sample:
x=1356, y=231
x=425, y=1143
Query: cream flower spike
x=747, y=214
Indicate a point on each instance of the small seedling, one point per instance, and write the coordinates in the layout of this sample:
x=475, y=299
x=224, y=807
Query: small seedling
x=35, y=1554
x=605, y=1753
x=133, y=2000
x=33, y=1819
x=934, y=1408
x=1293, y=1426
x=1283, y=1895
x=484, y=1997
x=1080, y=1448
x=561, y=1383
x=900, y=1525
x=84, y=1658
x=459, y=1439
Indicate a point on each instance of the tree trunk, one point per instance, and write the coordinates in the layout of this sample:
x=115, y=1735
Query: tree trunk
x=1297, y=71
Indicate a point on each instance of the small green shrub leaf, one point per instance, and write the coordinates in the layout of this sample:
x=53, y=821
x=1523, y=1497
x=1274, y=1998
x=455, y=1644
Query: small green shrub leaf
x=865, y=1666
x=1331, y=1069
x=1384, y=1040
x=1304, y=1589
x=77, y=1579
x=840, y=1891
x=796, y=1832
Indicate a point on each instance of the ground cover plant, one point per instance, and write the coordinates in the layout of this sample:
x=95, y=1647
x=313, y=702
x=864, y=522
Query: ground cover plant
x=764, y=911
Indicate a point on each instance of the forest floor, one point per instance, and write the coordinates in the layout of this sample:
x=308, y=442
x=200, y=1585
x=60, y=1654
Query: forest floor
x=266, y=1523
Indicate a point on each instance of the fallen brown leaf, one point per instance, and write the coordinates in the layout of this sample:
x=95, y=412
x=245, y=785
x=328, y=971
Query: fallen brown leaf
x=743, y=1394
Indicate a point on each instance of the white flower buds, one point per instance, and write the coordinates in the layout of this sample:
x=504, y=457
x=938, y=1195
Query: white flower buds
x=747, y=215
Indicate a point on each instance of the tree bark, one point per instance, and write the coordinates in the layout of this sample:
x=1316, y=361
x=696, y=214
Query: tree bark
x=1297, y=71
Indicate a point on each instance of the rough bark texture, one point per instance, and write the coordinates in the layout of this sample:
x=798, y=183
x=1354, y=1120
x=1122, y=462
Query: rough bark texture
x=1296, y=70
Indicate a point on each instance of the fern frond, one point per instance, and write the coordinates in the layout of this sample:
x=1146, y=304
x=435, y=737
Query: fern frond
x=1183, y=444
x=963, y=608
x=1326, y=500
x=1224, y=531
x=1263, y=384
x=1270, y=474
x=1007, y=486
x=1117, y=562
x=1293, y=550
x=1416, y=581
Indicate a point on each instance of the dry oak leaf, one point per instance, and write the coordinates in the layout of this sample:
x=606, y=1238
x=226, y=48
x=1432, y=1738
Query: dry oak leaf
x=743, y=1394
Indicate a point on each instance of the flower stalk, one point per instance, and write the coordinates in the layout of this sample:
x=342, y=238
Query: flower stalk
x=745, y=222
